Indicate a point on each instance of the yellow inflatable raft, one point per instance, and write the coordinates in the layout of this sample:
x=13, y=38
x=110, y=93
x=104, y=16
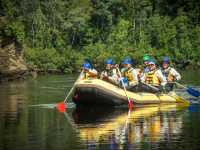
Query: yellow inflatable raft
x=98, y=92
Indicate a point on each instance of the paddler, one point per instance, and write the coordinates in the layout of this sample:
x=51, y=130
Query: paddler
x=154, y=78
x=88, y=72
x=110, y=72
x=142, y=69
x=170, y=73
x=146, y=59
x=129, y=74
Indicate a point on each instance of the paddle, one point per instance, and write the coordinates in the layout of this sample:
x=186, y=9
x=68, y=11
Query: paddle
x=61, y=106
x=152, y=87
x=130, y=104
x=190, y=90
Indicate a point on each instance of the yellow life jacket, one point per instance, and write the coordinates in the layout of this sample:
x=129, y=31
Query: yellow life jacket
x=170, y=77
x=167, y=74
x=152, y=79
x=128, y=74
x=88, y=76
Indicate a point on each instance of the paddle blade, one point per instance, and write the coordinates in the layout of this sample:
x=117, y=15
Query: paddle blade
x=193, y=92
x=130, y=105
x=61, y=107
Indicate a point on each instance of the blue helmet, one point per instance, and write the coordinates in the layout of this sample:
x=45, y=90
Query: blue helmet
x=109, y=61
x=127, y=61
x=165, y=59
x=86, y=66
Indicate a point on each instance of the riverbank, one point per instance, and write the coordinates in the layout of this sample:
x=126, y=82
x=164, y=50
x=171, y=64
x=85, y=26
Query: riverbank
x=12, y=65
x=30, y=72
x=17, y=62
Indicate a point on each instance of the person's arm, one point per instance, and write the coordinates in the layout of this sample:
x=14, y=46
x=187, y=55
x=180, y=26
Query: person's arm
x=82, y=76
x=114, y=77
x=92, y=72
x=175, y=74
x=142, y=77
x=102, y=75
x=161, y=77
x=135, y=74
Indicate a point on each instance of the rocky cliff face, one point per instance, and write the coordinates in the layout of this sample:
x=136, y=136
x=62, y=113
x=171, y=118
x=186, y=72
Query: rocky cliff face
x=12, y=65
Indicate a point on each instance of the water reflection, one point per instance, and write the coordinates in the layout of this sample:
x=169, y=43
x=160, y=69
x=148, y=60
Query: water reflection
x=12, y=101
x=124, y=129
x=24, y=127
x=28, y=121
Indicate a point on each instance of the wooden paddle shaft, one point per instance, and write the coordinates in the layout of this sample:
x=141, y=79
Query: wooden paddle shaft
x=153, y=87
x=123, y=84
x=72, y=87
x=179, y=84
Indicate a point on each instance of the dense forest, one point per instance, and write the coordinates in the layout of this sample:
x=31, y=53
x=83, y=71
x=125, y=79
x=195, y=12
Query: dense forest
x=60, y=34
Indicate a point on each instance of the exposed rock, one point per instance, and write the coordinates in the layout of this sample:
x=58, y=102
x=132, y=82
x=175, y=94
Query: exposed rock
x=11, y=62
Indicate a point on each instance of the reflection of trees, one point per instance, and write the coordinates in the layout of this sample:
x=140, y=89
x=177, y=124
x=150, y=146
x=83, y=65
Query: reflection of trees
x=144, y=125
x=13, y=116
x=13, y=98
x=23, y=127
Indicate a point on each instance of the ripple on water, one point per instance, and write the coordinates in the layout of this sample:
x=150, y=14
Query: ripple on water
x=40, y=126
x=52, y=106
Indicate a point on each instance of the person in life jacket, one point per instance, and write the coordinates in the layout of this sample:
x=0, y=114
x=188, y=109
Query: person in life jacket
x=88, y=72
x=129, y=74
x=170, y=73
x=146, y=59
x=154, y=76
x=110, y=72
x=143, y=69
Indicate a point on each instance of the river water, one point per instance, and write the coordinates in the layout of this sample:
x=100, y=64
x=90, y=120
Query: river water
x=29, y=121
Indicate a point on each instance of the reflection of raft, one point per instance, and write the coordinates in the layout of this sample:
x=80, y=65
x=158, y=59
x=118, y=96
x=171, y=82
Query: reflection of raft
x=152, y=120
x=98, y=92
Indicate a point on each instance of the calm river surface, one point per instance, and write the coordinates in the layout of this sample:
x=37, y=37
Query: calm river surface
x=29, y=121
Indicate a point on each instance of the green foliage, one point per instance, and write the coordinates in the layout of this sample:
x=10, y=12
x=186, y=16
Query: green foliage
x=42, y=58
x=119, y=33
x=52, y=59
x=163, y=32
x=16, y=29
x=96, y=52
x=195, y=40
x=61, y=34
